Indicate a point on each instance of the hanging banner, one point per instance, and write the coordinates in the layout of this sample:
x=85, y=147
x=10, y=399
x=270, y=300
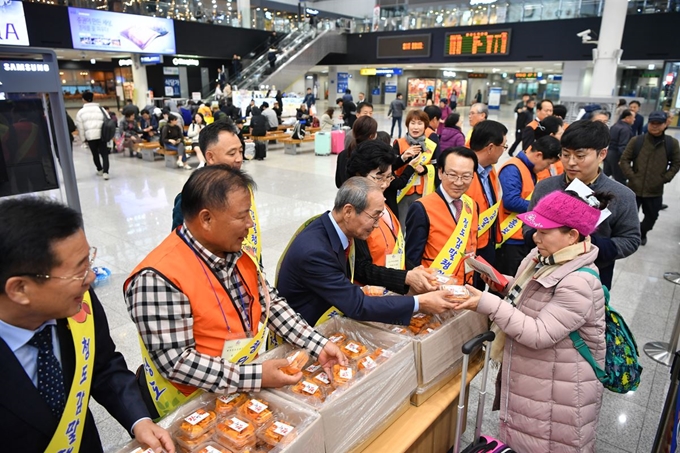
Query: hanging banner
x=13, y=30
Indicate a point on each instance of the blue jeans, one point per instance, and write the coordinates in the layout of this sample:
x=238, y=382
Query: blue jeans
x=396, y=121
x=180, y=150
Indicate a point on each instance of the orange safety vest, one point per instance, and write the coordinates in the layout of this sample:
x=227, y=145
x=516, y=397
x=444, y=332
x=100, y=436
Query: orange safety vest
x=555, y=169
x=527, y=188
x=442, y=225
x=382, y=239
x=177, y=263
x=403, y=146
x=476, y=192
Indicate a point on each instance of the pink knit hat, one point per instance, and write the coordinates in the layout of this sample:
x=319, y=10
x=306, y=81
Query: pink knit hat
x=558, y=209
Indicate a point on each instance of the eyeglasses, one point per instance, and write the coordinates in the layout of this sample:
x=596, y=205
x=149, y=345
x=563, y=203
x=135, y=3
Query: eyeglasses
x=455, y=178
x=376, y=219
x=578, y=155
x=82, y=278
x=383, y=179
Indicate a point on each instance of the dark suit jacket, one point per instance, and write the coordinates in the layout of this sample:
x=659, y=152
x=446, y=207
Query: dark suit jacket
x=25, y=419
x=314, y=277
x=418, y=230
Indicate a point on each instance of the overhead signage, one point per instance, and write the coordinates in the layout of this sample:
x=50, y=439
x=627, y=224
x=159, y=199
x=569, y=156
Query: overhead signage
x=22, y=66
x=343, y=82
x=404, y=46
x=390, y=89
x=312, y=12
x=151, y=59
x=477, y=75
x=381, y=71
x=526, y=75
x=125, y=62
x=449, y=73
x=490, y=42
x=118, y=32
x=13, y=30
x=185, y=62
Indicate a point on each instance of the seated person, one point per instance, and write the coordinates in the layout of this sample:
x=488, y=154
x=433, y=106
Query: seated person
x=172, y=138
x=317, y=271
x=131, y=132
x=149, y=125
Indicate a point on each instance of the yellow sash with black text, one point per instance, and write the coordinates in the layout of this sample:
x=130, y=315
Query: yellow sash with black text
x=251, y=244
x=424, y=160
x=69, y=431
x=453, y=251
x=510, y=226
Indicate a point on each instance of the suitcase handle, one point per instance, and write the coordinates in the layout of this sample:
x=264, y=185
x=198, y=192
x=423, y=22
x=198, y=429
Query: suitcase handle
x=477, y=342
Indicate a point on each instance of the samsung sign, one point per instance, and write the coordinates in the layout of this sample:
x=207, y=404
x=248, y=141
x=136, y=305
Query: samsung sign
x=13, y=31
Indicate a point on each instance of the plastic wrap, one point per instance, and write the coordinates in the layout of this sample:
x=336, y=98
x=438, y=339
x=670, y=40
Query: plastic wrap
x=440, y=349
x=301, y=426
x=353, y=412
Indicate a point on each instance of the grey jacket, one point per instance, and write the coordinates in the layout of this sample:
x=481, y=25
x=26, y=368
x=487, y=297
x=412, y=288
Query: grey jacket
x=616, y=237
x=397, y=108
x=620, y=134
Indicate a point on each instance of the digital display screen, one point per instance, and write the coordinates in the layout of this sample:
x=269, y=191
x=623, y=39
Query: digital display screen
x=405, y=46
x=117, y=32
x=477, y=43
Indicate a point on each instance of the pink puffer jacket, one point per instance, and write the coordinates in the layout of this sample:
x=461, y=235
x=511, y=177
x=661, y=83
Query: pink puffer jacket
x=550, y=396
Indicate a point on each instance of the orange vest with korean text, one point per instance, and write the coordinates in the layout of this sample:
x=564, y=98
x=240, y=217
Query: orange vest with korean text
x=555, y=169
x=527, y=188
x=382, y=239
x=476, y=192
x=442, y=226
x=403, y=146
x=177, y=263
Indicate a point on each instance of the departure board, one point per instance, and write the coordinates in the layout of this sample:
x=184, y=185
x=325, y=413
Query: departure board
x=404, y=46
x=490, y=42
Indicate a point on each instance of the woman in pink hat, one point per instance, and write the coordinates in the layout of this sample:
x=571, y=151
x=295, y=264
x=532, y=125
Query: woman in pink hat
x=550, y=397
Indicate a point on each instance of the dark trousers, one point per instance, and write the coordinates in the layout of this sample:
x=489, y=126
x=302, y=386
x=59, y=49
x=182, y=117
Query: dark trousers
x=650, y=208
x=397, y=121
x=611, y=166
x=518, y=140
x=509, y=257
x=100, y=154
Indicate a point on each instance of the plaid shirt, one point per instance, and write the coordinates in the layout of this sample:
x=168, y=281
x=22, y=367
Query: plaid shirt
x=163, y=317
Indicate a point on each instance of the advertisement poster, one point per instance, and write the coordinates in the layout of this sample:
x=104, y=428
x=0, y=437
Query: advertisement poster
x=13, y=31
x=118, y=32
x=417, y=91
x=495, y=98
x=343, y=82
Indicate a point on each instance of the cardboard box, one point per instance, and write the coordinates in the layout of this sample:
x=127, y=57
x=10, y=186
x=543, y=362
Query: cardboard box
x=440, y=350
x=353, y=414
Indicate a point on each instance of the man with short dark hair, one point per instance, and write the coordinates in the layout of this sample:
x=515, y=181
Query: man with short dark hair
x=130, y=109
x=309, y=99
x=638, y=123
x=149, y=125
x=396, y=111
x=544, y=108
x=348, y=110
x=584, y=147
x=190, y=341
x=649, y=162
x=620, y=134
x=272, y=120
x=89, y=121
x=363, y=109
x=560, y=111
x=435, y=115
x=55, y=346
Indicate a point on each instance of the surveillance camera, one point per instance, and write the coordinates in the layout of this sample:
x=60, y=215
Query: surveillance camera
x=585, y=34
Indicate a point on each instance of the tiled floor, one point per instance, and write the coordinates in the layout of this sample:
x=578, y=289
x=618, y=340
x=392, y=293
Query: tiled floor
x=128, y=215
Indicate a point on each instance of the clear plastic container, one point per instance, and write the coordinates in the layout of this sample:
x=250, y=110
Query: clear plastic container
x=226, y=405
x=277, y=432
x=212, y=447
x=235, y=433
x=256, y=411
x=343, y=375
x=198, y=423
x=338, y=338
x=418, y=322
x=312, y=369
x=188, y=443
x=354, y=350
x=310, y=390
x=456, y=292
x=296, y=362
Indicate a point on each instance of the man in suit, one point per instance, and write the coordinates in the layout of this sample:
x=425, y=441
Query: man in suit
x=317, y=270
x=48, y=319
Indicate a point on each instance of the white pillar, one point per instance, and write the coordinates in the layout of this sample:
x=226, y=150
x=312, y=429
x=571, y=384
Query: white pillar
x=608, y=48
x=575, y=74
x=139, y=79
x=333, y=85
x=243, y=7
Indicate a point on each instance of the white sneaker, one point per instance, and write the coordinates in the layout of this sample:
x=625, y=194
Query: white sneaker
x=180, y=164
x=106, y=176
x=187, y=167
x=100, y=172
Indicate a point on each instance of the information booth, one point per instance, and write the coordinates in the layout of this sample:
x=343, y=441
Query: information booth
x=35, y=150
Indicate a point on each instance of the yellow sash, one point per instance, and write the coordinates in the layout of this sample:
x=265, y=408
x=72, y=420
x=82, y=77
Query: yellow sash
x=400, y=248
x=167, y=397
x=424, y=160
x=511, y=225
x=252, y=244
x=454, y=250
x=69, y=432
x=487, y=218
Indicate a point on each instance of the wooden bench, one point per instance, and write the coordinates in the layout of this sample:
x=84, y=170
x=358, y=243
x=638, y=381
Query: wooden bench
x=169, y=156
x=147, y=149
x=290, y=145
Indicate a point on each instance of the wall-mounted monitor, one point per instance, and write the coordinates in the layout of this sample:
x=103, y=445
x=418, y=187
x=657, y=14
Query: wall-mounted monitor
x=118, y=32
x=404, y=46
x=489, y=42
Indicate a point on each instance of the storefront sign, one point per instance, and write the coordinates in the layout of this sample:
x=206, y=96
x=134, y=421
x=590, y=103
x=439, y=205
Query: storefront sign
x=477, y=75
x=493, y=42
x=22, y=66
x=170, y=71
x=150, y=59
x=405, y=46
x=390, y=89
x=125, y=62
x=185, y=62
x=526, y=75
x=381, y=71
x=312, y=12
x=117, y=32
x=13, y=31
x=343, y=82
x=449, y=74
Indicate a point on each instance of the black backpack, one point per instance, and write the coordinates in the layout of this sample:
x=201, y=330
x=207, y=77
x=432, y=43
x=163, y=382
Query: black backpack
x=108, y=127
x=667, y=143
x=299, y=131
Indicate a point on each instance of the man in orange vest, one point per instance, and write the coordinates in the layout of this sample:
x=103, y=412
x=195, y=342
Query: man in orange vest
x=543, y=110
x=488, y=141
x=518, y=178
x=198, y=301
x=441, y=228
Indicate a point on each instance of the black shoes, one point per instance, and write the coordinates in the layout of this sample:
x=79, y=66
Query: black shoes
x=643, y=240
x=664, y=206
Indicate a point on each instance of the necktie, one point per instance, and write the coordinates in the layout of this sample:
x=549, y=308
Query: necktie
x=50, y=377
x=458, y=206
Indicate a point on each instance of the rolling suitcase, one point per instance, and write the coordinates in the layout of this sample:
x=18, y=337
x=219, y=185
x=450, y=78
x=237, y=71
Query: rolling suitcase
x=481, y=443
x=337, y=141
x=322, y=144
